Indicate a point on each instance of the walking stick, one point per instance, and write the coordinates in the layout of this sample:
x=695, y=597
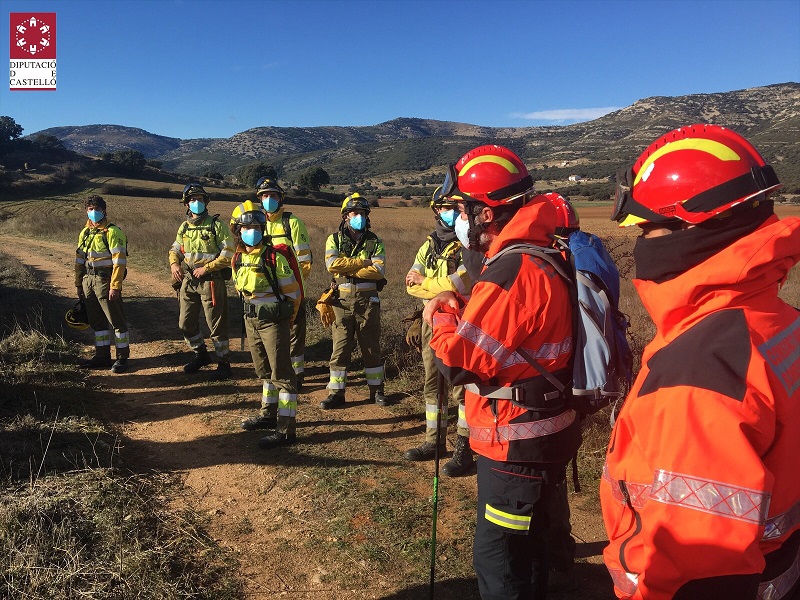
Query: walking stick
x=440, y=403
x=241, y=337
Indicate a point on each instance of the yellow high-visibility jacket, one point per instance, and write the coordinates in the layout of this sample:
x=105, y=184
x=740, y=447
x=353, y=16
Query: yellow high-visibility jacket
x=101, y=246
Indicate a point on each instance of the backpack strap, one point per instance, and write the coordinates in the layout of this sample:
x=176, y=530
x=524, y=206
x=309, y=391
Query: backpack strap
x=287, y=229
x=272, y=268
x=555, y=259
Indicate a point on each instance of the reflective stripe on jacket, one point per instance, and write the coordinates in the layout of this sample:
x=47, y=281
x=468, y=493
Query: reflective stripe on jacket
x=297, y=239
x=102, y=247
x=253, y=278
x=700, y=491
x=448, y=275
x=349, y=269
x=519, y=303
x=207, y=243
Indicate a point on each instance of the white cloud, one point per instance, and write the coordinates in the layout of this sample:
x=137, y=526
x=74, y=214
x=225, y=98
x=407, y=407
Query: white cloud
x=567, y=114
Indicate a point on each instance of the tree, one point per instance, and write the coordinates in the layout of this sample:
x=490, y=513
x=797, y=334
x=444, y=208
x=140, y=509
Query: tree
x=313, y=178
x=126, y=162
x=9, y=130
x=250, y=174
x=49, y=142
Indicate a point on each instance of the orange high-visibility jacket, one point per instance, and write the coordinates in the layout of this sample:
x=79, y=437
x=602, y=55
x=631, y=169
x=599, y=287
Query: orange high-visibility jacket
x=519, y=302
x=701, y=491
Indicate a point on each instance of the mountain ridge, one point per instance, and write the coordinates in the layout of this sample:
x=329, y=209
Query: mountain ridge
x=769, y=116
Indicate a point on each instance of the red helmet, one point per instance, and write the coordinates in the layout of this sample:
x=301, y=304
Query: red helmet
x=692, y=174
x=568, y=220
x=490, y=174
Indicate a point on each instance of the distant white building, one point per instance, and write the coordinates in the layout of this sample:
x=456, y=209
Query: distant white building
x=575, y=178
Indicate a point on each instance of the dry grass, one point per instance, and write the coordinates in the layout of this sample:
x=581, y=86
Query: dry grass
x=151, y=224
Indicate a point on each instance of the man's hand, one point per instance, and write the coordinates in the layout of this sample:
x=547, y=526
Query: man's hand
x=414, y=278
x=114, y=295
x=81, y=295
x=199, y=272
x=177, y=272
x=435, y=303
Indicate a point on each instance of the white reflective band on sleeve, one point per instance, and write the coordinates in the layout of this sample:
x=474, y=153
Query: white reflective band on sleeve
x=638, y=493
x=782, y=524
x=711, y=497
x=776, y=589
x=627, y=583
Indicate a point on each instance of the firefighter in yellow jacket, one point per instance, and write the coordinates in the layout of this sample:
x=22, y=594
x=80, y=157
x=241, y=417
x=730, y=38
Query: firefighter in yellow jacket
x=356, y=257
x=271, y=296
x=284, y=227
x=200, y=262
x=438, y=267
x=100, y=267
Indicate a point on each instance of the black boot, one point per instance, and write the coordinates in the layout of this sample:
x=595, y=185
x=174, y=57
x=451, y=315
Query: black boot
x=462, y=462
x=100, y=360
x=377, y=396
x=277, y=439
x=223, y=370
x=121, y=364
x=334, y=400
x=425, y=451
x=200, y=360
x=259, y=422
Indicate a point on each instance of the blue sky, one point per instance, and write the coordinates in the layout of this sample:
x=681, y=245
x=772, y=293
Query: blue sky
x=206, y=68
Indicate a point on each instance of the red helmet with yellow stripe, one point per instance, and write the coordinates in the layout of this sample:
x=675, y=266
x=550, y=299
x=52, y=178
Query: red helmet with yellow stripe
x=490, y=174
x=692, y=174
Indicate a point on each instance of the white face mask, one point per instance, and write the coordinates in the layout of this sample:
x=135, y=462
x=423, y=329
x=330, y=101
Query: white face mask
x=462, y=231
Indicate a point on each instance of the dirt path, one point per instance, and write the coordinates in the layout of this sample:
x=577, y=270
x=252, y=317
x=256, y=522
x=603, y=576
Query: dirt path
x=188, y=425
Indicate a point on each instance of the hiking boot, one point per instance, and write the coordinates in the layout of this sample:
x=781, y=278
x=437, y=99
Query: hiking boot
x=332, y=401
x=277, y=439
x=462, y=462
x=100, y=360
x=200, y=360
x=425, y=451
x=223, y=370
x=259, y=422
x=377, y=396
x=120, y=365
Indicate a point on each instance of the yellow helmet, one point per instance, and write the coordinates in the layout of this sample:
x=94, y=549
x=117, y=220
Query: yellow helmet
x=76, y=316
x=246, y=213
x=355, y=202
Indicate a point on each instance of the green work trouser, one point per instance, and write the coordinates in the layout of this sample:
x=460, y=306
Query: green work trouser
x=210, y=295
x=358, y=318
x=430, y=392
x=297, y=340
x=105, y=315
x=269, y=347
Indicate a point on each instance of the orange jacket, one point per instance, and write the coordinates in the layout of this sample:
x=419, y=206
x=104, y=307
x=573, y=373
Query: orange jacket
x=700, y=490
x=519, y=302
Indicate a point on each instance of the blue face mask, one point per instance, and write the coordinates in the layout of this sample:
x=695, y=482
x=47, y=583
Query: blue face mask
x=357, y=223
x=198, y=207
x=95, y=216
x=449, y=217
x=270, y=204
x=251, y=237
